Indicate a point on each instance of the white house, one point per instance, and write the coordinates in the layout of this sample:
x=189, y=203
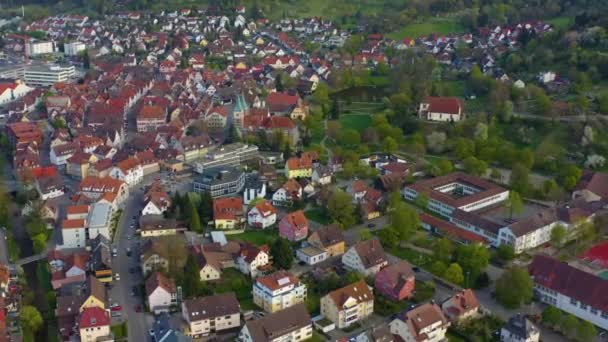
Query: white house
x=425, y=323
x=10, y=91
x=129, y=171
x=366, y=257
x=519, y=329
x=311, y=255
x=73, y=233
x=61, y=153
x=321, y=175
x=295, y=325
x=99, y=220
x=161, y=293
x=289, y=192
x=207, y=315
x=441, y=109
x=278, y=291
x=262, y=215
x=251, y=258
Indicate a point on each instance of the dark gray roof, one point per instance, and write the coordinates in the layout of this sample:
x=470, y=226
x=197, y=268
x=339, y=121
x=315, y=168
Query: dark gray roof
x=219, y=176
x=212, y=306
x=279, y=323
x=520, y=326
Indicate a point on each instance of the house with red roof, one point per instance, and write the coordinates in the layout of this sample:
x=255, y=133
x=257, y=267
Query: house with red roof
x=461, y=306
x=441, y=109
x=228, y=212
x=150, y=117
x=161, y=293
x=167, y=67
x=396, y=282
x=252, y=260
x=94, y=324
x=281, y=103
x=129, y=170
x=217, y=117
x=67, y=269
x=294, y=226
x=262, y=215
x=12, y=90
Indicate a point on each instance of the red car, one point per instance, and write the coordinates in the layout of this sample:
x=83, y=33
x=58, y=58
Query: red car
x=116, y=308
x=138, y=308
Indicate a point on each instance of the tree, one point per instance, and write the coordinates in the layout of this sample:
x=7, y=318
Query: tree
x=389, y=145
x=475, y=166
x=506, y=252
x=341, y=210
x=335, y=108
x=405, y=220
x=552, y=316
x=389, y=237
x=422, y=200
x=514, y=203
x=514, y=287
x=30, y=318
x=603, y=103
x=350, y=137
x=282, y=253
x=86, y=60
x=438, y=268
x=473, y=259
x=278, y=83
x=321, y=95
x=436, y=141
x=558, y=235
x=195, y=220
x=365, y=234
x=569, y=176
x=569, y=325
x=442, y=250
x=586, y=331
x=454, y=274
x=205, y=208
x=519, y=179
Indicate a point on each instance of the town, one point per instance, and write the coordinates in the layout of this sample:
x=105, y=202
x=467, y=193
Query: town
x=214, y=174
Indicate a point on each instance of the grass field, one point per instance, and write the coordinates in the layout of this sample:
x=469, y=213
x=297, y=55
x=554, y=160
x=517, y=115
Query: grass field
x=433, y=25
x=316, y=215
x=256, y=237
x=560, y=22
x=356, y=122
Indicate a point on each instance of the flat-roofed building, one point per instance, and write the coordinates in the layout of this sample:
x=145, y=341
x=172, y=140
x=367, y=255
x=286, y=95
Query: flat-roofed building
x=48, y=75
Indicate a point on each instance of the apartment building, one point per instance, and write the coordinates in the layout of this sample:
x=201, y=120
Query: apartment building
x=47, y=75
x=292, y=324
x=211, y=314
x=278, y=291
x=348, y=305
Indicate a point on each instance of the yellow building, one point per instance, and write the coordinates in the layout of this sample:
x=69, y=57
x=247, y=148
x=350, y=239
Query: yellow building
x=329, y=239
x=278, y=291
x=95, y=294
x=298, y=167
x=348, y=305
x=157, y=225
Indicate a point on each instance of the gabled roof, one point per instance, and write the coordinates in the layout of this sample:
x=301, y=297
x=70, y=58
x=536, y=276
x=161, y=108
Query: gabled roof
x=359, y=291
x=595, y=182
x=93, y=317
x=330, y=235
x=278, y=280
x=448, y=105
x=569, y=281
x=370, y=252
x=157, y=280
x=211, y=306
x=273, y=326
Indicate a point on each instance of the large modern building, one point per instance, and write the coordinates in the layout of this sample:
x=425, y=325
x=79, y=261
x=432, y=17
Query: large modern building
x=226, y=155
x=47, y=75
x=278, y=291
x=571, y=290
x=456, y=191
x=40, y=47
x=348, y=305
x=220, y=182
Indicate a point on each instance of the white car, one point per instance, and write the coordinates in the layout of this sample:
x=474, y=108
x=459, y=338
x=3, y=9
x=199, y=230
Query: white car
x=117, y=276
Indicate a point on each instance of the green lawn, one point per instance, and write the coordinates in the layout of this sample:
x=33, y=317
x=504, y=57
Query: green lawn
x=316, y=337
x=120, y=331
x=256, y=237
x=411, y=255
x=432, y=25
x=317, y=215
x=452, y=337
x=234, y=281
x=560, y=22
x=356, y=122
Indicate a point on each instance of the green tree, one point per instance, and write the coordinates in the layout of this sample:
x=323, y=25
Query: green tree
x=586, y=332
x=506, y=252
x=558, y=235
x=514, y=288
x=422, y=200
x=438, y=268
x=514, y=203
x=453, y=274
x=442, y=250
x=341, y=210
x=552, y=316
x=569, y=176
x=282, y=253
x=30, y=318
x=475, y=166
x=389, y=237
x=278, y=83
x=569, y=325
x=519, y=179
x=321, y=95
x=389, y=145
x=473, y=259
x=603, y=103
x=365, y=234
x=405, y=220
x=195, y=220
x=205, y=208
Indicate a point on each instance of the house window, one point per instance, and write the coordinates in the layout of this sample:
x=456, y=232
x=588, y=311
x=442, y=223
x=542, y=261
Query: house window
x=572, y=301
x=583, y=306
x=604, y=315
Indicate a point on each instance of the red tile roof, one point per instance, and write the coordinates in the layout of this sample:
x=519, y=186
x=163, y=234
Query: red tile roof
x=94, y=317
x=448, y=105
x=227, y=208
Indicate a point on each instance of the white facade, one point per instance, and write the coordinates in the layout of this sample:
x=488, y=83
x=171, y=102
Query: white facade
x=99, y=220
x=572, y=306
x=151, y=209
x=320, y=179
x=160, y=300
x=46, y=76
x=272, y=300
x=434, y=332
x=297, y=335
x=59, y=159
x=39, y=48
x=447, y=210
x=250, y=194
x=10, y=94
x=57, y=192
x=73, y=238
x=352, y=261
x=311, y=255
x=73, y=48
x=132, y=177
x=252, y=268
x=258, y=219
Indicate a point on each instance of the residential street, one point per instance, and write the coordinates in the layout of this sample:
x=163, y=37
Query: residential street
x=138, y=322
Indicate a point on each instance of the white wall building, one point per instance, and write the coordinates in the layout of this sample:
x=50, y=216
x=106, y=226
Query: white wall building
x=278, y=291
x=73, y=233
x=47, y=75
x=73, y=48
x=39, y=48
x=99, y=220
x=262, y=215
